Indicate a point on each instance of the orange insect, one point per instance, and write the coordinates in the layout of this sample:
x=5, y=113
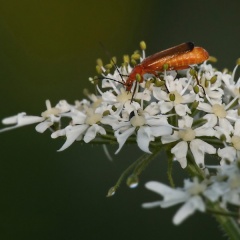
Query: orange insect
x=175, y=58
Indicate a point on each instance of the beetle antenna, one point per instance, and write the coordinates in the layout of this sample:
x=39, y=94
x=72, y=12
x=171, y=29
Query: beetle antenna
x=114, y=64
x=101, y=78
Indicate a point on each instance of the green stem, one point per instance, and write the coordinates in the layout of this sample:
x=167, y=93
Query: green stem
x=145, y=160
x=137, y=167
x=169, y=171
x=113, y=189
x=193, y=168
x=223, y=213
x=228, y=224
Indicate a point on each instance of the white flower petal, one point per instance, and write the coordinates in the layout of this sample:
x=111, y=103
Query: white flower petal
x=166, y=107
x=122, y=137
x=232, y=197
x=189, y=98
x=145, y=95
x=205, y=107
x=216, y=190
x=144, y=136
x=20, y=120
x=237, y=128
x=172, y=138
x=227, y=153
x=180, y=152
x=152, y=109
x=63, y=106
x=186, y=121
x=73, y=133
x=199, y=148
x=211, y=120
x=205, y=132
x=159, y=94
x=151, y=204
x=170, y=195
x=224, y=123
x=193, y=204
x=161, y=131
x=156, y=120
x=43, y=126
x=182, y=109
x=13, y=119
x=92, y=131
x=59, y=133
x=232, y=115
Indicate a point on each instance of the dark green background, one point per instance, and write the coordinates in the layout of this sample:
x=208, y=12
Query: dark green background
x=48, y=51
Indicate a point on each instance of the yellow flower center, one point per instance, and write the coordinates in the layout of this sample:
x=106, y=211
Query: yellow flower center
x=177, y=97
x=124, y=96
x=219, y=110
x=138, y=121
x=93, y=119
x=187, y=134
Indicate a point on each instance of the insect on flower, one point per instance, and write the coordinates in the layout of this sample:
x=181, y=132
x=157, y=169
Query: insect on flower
x=175, y=58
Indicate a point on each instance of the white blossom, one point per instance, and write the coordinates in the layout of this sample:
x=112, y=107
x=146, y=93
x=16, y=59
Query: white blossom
x=190, y=196
x=187, y=137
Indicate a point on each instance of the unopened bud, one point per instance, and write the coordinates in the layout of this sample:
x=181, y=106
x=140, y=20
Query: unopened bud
x=98, y=69
x=143, y=45
x=126, y=59
x=99, y=62
x=133, y=62
x=238, y=61
x=172, y=97
x=135, y=56
x=213, y=79
x=212, y=59
x=138, y=77
x=196, y=89
x=192, y=72
x=165, y=66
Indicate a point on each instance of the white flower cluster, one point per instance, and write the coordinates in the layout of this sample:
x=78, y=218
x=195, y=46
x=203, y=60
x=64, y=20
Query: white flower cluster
x=224, y=188
x=190, y=110
x=191, y=113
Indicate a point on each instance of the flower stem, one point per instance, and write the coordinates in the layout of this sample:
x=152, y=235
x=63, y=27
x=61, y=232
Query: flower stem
x=228, y=224
x=169, y=170
x=137, y=167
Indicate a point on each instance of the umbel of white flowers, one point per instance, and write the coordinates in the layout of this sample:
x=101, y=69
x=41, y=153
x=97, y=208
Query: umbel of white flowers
x=167, y=109
x=190, y=113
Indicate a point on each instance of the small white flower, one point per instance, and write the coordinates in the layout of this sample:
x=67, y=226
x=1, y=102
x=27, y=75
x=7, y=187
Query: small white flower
x=77, y=133
x=84, y=126
x=188, y=135
x=178, y=90
x=147, y=127
x=20, y=120
x=219, y=112
x=225, y=186
x=232, y=135
x=190, y=195
x=212, y=90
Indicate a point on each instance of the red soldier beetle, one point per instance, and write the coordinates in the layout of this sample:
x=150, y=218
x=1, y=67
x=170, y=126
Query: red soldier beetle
x=175, y=58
